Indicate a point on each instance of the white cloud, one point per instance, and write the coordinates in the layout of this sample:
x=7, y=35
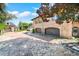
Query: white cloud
x=25, y=13
x=22, y=14
x=13, y=12
x=34, y=14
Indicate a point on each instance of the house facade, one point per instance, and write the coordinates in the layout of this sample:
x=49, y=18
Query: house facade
x=50, y=27
x=11, y=27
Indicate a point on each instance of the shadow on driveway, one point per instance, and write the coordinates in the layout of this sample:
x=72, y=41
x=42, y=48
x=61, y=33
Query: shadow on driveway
x=44, y=37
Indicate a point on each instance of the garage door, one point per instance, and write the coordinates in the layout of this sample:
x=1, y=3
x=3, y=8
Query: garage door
x=38, y=30
x=75, y=31
x=53, y=31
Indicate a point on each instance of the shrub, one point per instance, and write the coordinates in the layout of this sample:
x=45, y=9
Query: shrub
x=2, y=26
x=33, y=30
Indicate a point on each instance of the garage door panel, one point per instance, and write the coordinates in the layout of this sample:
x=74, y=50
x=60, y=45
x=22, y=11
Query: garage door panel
x=52, y=31
x=38, y=30
x=75, y=31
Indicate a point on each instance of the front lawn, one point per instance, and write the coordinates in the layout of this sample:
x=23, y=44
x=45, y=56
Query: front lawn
x=2, y=26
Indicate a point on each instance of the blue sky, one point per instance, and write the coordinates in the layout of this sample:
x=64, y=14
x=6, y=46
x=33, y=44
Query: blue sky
x=24, y=11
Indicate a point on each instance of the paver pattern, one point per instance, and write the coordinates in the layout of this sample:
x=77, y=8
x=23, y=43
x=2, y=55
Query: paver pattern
x=23, y=44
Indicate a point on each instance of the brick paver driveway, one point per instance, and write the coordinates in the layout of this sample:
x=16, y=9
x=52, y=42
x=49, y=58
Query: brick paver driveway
x=22, y=44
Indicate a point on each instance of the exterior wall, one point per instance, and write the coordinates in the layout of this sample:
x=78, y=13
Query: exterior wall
x=13, y=29
x=65, y=28
x=51, y=23
x=75, y=24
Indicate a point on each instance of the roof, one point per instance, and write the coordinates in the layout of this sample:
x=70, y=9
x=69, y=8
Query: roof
x=35, y=18
x=12, y=25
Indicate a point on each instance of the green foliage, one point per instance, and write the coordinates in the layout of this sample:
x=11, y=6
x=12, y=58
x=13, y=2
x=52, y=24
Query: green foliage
x=4, y=15
x=23, y=25
x=2, y=26
x=33, y=30
x=30, y=24
x=65, y=11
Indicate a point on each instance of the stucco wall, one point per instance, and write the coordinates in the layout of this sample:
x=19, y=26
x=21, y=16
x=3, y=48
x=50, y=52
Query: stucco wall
x=65, y=28
x=51, y=23
x=75, y=24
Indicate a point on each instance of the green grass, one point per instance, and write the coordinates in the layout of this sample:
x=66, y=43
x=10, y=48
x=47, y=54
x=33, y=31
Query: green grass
x=2, y=26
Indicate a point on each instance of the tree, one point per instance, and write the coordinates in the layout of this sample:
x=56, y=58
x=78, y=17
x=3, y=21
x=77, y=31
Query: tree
x=30, y=24
x=66, y=11
x=23, y=25
x=2, y=7
x=2, y=11
x=4, y=16
x=44, y=11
